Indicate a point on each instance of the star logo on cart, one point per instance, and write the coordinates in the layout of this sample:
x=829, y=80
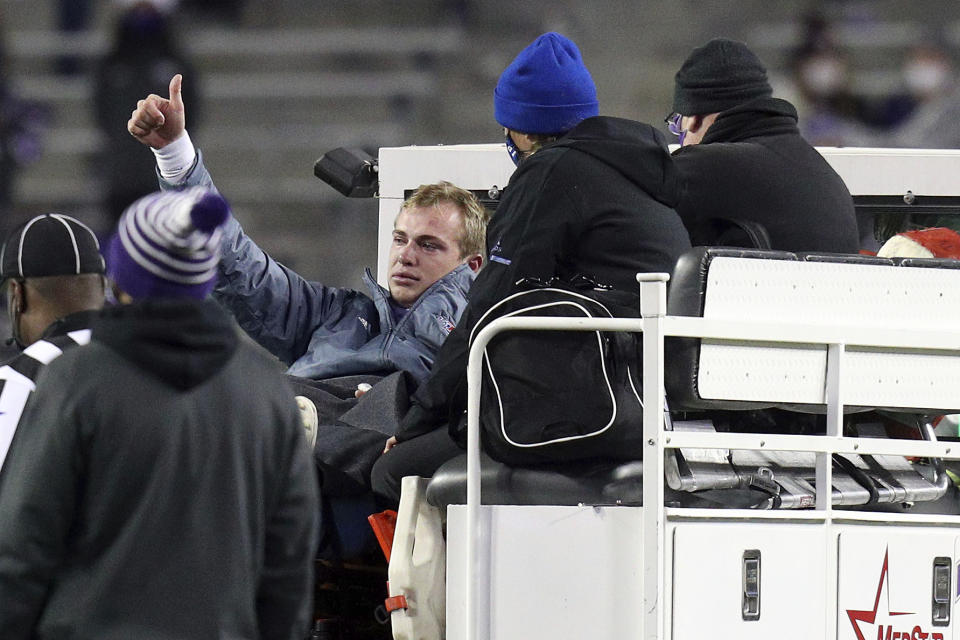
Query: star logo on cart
x=884, y=620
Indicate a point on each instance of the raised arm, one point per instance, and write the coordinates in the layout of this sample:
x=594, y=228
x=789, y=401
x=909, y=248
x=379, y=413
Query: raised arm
x=275, y=305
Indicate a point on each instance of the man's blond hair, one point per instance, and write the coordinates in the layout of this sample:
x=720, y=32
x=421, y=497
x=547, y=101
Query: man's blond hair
x=474, y=234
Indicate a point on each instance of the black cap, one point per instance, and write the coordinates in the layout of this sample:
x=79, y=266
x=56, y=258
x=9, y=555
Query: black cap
x=50, y=245
x=719, y=76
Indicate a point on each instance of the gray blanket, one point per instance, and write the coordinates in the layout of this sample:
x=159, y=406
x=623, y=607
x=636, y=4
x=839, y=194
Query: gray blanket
x=352, y=432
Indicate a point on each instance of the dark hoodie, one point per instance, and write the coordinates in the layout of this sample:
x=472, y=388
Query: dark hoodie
x=164, y=489
x=597, y=203
x=753, y=165
x=179, y=342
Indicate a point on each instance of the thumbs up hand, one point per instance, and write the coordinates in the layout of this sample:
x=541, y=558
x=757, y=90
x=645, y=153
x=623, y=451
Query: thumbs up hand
x=157, y=121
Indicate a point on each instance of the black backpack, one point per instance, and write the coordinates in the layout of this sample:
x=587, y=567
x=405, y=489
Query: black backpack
x=561, y=395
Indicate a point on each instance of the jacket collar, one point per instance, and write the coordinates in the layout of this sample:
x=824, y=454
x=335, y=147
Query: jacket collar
x=72, y=322
x=760, y=117
x=459, y=279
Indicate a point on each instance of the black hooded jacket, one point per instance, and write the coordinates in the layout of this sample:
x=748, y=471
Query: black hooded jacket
x=595, y=203
x=164, y=489
x=752, y=164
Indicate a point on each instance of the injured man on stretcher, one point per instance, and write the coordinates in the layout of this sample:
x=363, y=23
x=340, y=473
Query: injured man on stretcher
x=339, y=342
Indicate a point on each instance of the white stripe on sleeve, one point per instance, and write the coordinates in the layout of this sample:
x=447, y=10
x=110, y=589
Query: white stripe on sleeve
x=43, y=351
x=13, y=398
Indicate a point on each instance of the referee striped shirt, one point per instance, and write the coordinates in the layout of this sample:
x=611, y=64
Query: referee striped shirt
x=18, y=379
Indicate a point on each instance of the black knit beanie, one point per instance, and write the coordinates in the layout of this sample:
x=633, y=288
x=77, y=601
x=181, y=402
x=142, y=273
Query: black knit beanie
x=718, y=76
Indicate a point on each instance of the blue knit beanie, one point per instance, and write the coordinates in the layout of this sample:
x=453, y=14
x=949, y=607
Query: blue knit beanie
x=546, y=89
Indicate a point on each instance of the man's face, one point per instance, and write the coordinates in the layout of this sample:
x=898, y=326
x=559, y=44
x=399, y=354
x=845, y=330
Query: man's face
x=425, y=248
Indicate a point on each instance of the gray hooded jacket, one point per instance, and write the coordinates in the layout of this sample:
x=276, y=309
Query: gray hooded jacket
x=326, y=332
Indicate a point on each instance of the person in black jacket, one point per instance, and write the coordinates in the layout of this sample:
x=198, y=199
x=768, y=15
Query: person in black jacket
x=742, y=157
x=591, y=196
x=52, y=270
x=164, y=488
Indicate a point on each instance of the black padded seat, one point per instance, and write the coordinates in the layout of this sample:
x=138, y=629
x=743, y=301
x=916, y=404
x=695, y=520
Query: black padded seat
x=595, y=483
x=688, y=292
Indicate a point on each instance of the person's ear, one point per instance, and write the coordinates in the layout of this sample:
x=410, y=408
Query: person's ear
x=18, y=296
x=695, y=123
x=475, y=262
x=119, y=295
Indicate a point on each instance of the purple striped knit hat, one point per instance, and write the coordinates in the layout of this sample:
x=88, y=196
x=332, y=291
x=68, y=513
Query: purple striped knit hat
x=167, y=244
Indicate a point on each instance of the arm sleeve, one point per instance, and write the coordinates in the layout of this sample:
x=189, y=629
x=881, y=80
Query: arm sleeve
x=275, y=306
x=530, y=238
x=196, y=176
x=38, y=497
x=703, y=182
x=285, y=592
x=15, y=390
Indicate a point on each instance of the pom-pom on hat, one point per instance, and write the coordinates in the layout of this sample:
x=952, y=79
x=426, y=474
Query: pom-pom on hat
x=167, y=244
x=50, y=245
x=546, y=89
x=936, y=242
x=719, y=76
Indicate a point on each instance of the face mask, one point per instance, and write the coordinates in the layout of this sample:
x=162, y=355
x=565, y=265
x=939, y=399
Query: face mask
x=515, y=154
x=926, y=77
x=673, y=124
x=823, y=76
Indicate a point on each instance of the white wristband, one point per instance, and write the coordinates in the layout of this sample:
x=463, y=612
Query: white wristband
x=175, y=159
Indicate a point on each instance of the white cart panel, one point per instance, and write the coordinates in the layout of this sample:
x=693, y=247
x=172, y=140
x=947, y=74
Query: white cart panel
x=708, y=568
x=886, y=578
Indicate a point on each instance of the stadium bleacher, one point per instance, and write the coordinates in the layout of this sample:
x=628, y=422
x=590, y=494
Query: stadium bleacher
x=302, y=77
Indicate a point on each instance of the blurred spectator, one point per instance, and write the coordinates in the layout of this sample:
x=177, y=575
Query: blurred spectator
x=817, y=35
x=74, y=17
x=22, y=124
x=934, y=95
x=928, y=73
x=143, y=59
x=926, y=76
x=829, y=111
x=21, y=127
x=462, y=11
x=166, y=7
x=218, y=10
